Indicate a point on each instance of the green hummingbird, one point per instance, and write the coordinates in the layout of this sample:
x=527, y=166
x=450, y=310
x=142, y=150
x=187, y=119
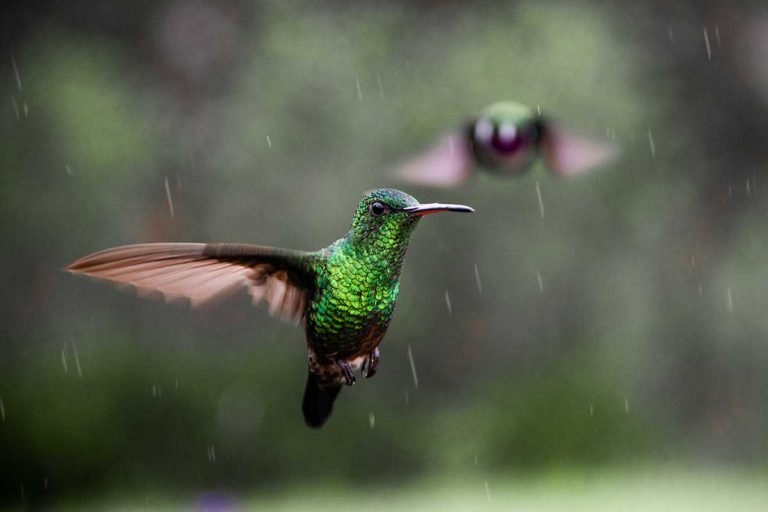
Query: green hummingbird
x=344, y=294
x=506, y=138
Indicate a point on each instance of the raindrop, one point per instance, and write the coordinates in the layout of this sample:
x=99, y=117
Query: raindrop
x=359, y=90
x=77, y=360
x=211, y=454
x=381, y=87
x=448, y=301
x=371, y=420
x=269, y=142
x=477, y=280
x=651, y=143
x=541, y=202
x=476, y=460
x=68, y=168
x=729, y=300
x=717, y=35
x=538, y=109
x=2, y=411
x=670, y=34
x=168, y=196
x=706, y=42
x=626, y=405
x=487, y=490
x=413, y=367
x=591, y=409
x=749, y=187
x=64, y=362
x=16, y=72
x=26, y=109
x=540, y=281
x=45, y=482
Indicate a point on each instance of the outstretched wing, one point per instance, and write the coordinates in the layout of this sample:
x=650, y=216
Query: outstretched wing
x=202, y=273
x=446, y=164
x=567, y=153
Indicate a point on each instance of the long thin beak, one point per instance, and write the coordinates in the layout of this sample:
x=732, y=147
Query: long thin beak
x=426, y=209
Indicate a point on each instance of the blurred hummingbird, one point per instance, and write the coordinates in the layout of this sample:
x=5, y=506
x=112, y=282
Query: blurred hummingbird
x=344, y=295
x=506, y=138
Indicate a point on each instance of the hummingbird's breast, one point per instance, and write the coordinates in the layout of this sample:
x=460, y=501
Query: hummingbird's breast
x=352, y=305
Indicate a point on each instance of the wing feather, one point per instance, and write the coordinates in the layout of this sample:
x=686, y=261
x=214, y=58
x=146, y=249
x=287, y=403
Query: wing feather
x=201, y=273
x=567, y=153
x=446, y=164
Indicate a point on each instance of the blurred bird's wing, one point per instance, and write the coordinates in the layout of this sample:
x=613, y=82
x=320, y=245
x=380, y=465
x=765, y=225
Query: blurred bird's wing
x=567, y=153
x=446, y=164
x=203, y=273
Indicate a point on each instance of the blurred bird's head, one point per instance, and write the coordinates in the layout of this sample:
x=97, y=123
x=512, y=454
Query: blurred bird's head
x=504, y=138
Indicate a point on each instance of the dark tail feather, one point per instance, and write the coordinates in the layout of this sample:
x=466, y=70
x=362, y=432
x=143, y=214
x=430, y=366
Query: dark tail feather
x=318, y=402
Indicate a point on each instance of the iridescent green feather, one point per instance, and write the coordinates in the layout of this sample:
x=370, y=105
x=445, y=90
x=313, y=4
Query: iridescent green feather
x=357, y=280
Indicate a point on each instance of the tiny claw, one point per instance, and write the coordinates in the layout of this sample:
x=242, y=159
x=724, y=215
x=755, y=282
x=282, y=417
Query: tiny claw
x=346, y=370
x=371, y=364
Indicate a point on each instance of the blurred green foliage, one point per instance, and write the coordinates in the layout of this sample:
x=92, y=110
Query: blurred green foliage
x=622, y=326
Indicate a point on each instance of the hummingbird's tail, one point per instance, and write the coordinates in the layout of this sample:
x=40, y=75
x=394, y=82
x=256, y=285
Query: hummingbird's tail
x=318, y=402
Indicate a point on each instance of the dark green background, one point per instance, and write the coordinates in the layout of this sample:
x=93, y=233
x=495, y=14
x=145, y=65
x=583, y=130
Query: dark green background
x=645, y=346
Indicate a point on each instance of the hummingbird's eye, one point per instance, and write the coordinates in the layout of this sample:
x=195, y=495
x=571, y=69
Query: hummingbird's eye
x=377, y=208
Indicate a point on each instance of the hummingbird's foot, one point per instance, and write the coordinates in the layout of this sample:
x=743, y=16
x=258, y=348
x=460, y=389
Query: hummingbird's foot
x=349, y=377
x=371, y=364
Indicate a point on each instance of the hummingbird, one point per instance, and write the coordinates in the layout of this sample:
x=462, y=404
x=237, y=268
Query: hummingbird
x=343, y=295
x=506, y=138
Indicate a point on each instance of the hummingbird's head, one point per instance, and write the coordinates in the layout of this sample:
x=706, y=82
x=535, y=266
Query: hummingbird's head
x=386, y=217
x=505, y=137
